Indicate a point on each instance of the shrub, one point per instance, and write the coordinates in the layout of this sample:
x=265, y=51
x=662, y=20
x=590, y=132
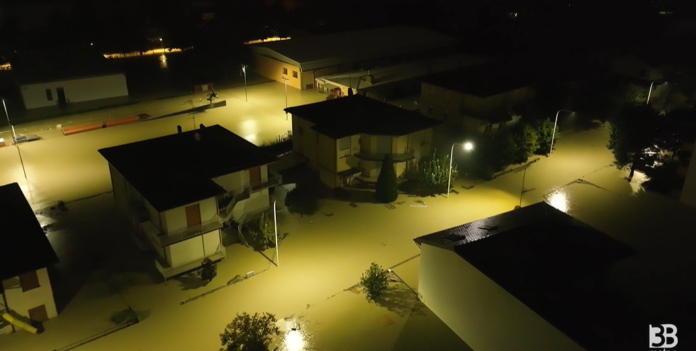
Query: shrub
x=374, y=282
x=387, y=185
x=125, y=316
x=262, y=232
x=208, y=270
x=302, y=201
x=435, y=170
x=249, y=333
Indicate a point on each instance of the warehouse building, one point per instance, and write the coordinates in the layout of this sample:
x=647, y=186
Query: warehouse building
x=299, y=62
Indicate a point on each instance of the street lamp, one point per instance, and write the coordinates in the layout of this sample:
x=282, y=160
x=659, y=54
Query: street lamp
x=14, y=140
x=286, y=97
x=246, y=95
x=275, y=226
x=162, y=42
x=555, y=125
x=467, y=147
x=647, y=101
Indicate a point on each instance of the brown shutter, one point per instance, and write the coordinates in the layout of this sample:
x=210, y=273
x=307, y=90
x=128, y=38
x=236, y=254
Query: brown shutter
x=29, y=281
x=193, y=215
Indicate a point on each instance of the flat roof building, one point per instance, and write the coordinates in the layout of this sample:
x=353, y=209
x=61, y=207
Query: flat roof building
x=300, y=61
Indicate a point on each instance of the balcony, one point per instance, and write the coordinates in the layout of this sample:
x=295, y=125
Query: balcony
x=403, y=157
x=226, y=201
x=155, y=234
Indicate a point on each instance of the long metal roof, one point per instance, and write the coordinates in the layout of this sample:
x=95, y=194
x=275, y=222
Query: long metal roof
x=328, y=50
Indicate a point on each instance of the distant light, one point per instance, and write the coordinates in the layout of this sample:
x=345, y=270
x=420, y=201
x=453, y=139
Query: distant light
x=559, y=201
x=468, y=146
x=91, y=43
x=160, y=39
x=294, y=341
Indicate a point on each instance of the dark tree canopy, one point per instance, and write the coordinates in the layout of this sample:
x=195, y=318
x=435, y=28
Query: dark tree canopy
x=633, y=131
x=387, y=185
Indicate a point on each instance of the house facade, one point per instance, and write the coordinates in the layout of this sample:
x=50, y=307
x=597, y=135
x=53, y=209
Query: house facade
x=346, y=139
x=74, y=90
x=186, y=228
x=26, y=293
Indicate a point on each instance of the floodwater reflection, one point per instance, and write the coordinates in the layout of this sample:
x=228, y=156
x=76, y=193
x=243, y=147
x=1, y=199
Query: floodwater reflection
x=163, y=61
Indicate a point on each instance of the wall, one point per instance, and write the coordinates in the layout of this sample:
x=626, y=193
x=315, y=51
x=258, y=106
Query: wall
x=233, y=182
x=154, y=214
x=304, y=140
x=273, y=69
x=483, y=314
x=344, y=158
x=120, y=189
x=175, y=219
x=77, y=90
x=192, y=250
x=257, y=201
x=21, y=302
x=688, y=195
x=307, y=79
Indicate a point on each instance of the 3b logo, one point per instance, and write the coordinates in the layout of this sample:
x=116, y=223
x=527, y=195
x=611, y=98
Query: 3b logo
x=663, y=336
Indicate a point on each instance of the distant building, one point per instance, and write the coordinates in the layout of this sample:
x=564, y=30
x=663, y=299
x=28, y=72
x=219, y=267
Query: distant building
x=60, y=79
x=25, y=254
x=536, y=275
x=180, y=190
x=302, y=60
x=346, y=139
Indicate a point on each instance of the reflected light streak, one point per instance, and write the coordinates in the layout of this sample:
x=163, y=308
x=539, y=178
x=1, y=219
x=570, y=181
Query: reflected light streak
x=559, y=201
x=251, y=138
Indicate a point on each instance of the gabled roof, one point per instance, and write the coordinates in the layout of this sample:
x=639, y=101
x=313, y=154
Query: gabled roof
x=43, y=67
x=176, y=170
x=24, y=246
x=544, y=258
x=504, y=76
x=328, y=50
x=352, y=115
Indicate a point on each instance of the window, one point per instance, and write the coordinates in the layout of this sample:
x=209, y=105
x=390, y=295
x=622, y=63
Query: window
x=344, y=144
x=29, y=281
x=285, y=71
x=300, y=130
x=430, y=110
x=432, y=90
x=49, y=95
x=193, y=215
x=445, y=115
x=294, y=74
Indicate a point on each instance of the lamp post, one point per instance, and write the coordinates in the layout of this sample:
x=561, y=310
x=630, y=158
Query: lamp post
x=246, y=94
x=647, y=101
x=467, y=147
x=162, y=42
x=555, y=125
x=286, y=97
x=19, y=152
x=275, y=226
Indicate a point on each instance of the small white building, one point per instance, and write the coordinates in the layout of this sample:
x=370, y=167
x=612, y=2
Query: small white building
x=58, y=79
x=530, y=279
x=26, y=295
x=180, y=190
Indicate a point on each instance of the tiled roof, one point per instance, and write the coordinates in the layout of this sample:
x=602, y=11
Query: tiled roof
x=24, y=246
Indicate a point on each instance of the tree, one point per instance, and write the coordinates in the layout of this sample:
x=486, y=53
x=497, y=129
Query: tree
x=387, y=186
x=249, y=333
x=632, y=132
x=374, y=282
x=527, y=140
x=262, y=232
x=545, y=133
x=208, y=270
x=301, y=200
x=350, y=91
x=434, y=170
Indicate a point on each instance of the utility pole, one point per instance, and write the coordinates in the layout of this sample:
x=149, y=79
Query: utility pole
x=19, y=152
x=524, y=176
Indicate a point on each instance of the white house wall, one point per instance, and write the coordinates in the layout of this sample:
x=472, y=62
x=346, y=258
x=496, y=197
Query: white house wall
x=21, y=302
x=176, y=218
x=154, y=215
x=211, y=243
x=257, y=201
x=76, y=90
x=483, y=314
x=238, y=181
x=192, y=250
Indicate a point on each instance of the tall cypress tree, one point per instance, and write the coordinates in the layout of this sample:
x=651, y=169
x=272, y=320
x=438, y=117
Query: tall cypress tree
x=387, y=188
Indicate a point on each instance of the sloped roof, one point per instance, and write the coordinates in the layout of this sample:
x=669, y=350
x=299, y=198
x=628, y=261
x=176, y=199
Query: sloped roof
x=24, y=246
x=352, y=115
x=542, y=256
x=176, y=170
x=328, y=50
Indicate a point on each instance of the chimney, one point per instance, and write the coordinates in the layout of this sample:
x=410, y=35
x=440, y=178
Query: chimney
x=178, y=129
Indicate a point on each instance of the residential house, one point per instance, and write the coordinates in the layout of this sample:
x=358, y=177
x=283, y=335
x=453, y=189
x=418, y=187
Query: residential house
x=347, y=138
x=180, y=190
x=490, y=96
x=25, y=256
x=531, y=279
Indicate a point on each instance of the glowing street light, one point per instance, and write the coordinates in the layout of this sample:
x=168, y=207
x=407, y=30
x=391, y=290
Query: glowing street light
x=466, y=147
x=555, y=125
x=647, y=101
x=162, y=42
x=246, y=95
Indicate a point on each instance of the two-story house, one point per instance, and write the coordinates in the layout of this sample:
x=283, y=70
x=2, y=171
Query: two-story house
x=26, y=294
x=480, y=98
x=347, y=138
x=180, y=190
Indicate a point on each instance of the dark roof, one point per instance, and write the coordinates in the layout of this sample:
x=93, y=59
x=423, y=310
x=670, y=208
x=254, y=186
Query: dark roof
x=42, y=67
x=499, y=77
x=328, y=50
x=545, y=258
x=176, y=170
x=24, y=246
x=352, y=115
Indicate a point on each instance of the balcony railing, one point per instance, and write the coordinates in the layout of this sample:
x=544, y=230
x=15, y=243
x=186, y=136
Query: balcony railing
x=403, y=157
x=226, y=201
x=174, y=237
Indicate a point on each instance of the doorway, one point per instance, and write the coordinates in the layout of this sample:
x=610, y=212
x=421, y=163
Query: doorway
x=61, y=96
x=193, y=215
x=255, y=176
x=38, y=314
